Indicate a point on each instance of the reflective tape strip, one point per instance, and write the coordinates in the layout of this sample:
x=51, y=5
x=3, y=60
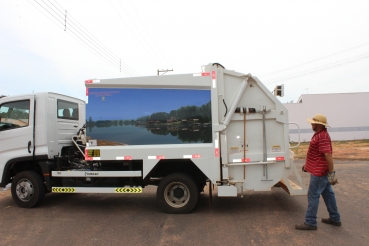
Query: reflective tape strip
x=123, y=158
x=155, y=157
x=201, y=74
x=216, y=143
x=128, y=190
x=191, y=156
x=241, y=160
x=213, y=77
x=278, y=158
x=86, y=91
x=63, y=190
x=90, y=81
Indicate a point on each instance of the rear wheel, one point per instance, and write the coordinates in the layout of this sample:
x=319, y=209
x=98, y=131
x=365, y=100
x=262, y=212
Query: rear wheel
x=177, y=194
x=28, y=189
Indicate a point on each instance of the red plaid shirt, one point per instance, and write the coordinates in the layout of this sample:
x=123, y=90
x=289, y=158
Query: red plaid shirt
x=316, y=163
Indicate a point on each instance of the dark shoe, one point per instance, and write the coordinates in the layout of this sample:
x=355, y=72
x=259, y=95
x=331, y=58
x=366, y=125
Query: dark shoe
x=305, y=227
x=329, y=221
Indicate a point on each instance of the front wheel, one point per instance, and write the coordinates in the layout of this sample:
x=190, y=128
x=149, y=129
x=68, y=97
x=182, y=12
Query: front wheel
x=177, y=194
x=28, y=189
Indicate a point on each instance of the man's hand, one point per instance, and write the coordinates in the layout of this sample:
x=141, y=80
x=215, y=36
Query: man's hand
x=332, y=178
x=303, y=169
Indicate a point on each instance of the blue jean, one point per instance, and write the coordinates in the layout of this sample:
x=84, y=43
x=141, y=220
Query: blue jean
x=320, y=186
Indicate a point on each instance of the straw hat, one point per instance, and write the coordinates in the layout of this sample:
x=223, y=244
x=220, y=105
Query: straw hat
x=319, y=119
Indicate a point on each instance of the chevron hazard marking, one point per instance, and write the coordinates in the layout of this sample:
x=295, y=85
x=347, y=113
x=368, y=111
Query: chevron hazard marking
x=128, y=190
x=63, y=189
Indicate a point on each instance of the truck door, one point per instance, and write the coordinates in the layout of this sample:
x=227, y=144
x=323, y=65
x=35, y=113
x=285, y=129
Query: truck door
x=16, y=129
x=68, y=121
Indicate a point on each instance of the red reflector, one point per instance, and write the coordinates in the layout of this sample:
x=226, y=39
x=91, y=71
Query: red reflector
x=88, y=81
x=87, y=158
x=205, y=74
x=246, y=160
x=279, y=158
x=86, y=91
x=213, y=75
x=195, y=156
x=216, y=152
x=127, y=157
x=159, y=157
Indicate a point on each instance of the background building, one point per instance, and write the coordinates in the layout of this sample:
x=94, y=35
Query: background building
x=347, y=114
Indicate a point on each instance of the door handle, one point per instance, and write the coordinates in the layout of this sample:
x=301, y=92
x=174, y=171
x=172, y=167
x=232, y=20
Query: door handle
x=29, y=145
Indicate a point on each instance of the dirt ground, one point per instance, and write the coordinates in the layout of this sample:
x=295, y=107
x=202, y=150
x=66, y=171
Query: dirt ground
x=342, y=150
x=260, y=218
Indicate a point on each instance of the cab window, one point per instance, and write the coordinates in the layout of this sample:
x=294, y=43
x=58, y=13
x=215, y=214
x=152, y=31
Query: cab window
x=14, y=115
x=67, y=110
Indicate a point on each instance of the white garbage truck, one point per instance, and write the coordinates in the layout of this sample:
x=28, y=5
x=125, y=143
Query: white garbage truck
x=217, y=127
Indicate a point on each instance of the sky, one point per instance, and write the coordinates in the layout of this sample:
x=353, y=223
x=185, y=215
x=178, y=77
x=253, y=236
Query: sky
x=312, y=47
x=135, y=103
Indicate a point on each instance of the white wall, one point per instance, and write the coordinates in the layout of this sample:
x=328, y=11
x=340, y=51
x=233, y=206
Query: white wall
x=347, y=114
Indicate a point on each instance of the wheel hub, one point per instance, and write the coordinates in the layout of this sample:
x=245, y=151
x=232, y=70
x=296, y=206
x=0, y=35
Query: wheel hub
x=177, y=194
x=24, y=190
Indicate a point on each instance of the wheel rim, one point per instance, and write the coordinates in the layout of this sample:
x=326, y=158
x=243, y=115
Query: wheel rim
x=177, y=194
x=24, y=190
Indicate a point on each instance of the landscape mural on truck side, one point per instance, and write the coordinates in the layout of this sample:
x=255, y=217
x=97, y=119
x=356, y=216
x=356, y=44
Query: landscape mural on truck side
x=148, y=116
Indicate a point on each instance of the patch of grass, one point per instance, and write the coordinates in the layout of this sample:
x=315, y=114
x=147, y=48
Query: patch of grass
x=342, y=150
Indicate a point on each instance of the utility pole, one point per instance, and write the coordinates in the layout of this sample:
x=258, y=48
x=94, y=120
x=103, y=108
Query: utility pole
x=164, y=71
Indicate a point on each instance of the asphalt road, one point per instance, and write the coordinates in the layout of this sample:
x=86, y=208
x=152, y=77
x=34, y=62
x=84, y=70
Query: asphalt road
x=260, y=218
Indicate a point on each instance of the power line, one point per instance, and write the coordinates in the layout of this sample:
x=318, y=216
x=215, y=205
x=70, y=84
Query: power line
x=139, y=40
x=111, y=63
x=48, y=11
x=89, y=34
x=91, y=43
x=62, y=16
x=318, y=59
x=56, y=7
x=43, y=13
x=72, y=31
x=319, y=69
x=102, y=46
x=165, y=61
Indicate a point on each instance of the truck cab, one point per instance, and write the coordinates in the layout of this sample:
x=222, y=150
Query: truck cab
x=33, y=129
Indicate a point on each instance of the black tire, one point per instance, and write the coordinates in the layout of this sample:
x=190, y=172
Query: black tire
x=28, y=189
x=177, y=194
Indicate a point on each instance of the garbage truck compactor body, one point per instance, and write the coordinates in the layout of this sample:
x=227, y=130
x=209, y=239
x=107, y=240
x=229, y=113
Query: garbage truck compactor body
x=178, y=132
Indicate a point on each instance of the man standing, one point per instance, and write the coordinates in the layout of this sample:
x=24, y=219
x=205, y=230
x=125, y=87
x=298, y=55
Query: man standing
x=319, y=164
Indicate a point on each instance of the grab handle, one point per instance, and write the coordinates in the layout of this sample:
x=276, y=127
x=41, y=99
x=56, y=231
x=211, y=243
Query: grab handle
x=29, y=145
x=298, y=127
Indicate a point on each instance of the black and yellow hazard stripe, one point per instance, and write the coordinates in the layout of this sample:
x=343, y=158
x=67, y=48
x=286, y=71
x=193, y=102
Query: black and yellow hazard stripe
x=128, y=190
x=63, y=189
